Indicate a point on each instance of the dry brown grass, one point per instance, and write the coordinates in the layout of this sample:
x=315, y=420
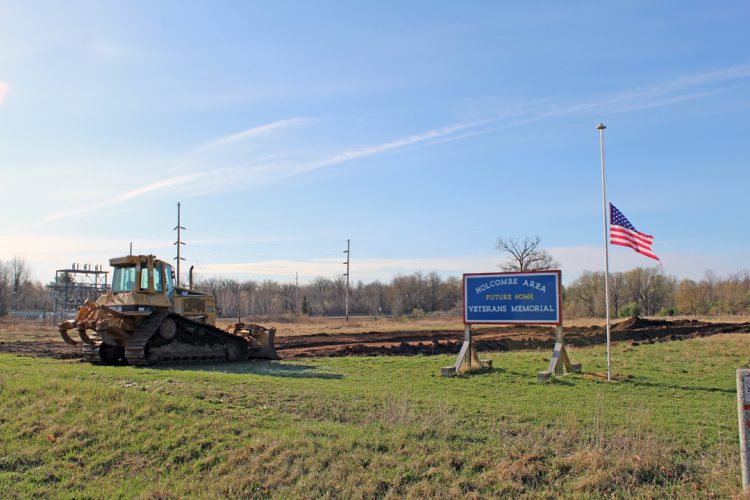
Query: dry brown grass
x=14, y=329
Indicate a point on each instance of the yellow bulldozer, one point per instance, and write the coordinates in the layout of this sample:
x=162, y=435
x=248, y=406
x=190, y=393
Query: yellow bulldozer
x=147, y=319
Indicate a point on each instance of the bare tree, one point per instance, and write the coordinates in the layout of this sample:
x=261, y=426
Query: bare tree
x=690, y=297
x=587, y=294
x=525, y=255
x=20, y=279
x=5, y=288
x=650, y=288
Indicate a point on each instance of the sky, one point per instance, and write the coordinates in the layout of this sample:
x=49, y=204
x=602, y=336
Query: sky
x=422, y=131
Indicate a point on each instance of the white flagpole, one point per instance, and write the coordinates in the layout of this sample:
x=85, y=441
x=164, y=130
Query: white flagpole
x=605, y=209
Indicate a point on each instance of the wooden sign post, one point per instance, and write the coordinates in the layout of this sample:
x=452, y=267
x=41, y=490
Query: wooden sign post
x=468, y=358
x=559, y=359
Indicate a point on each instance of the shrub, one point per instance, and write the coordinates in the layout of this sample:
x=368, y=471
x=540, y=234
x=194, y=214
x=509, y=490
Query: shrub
x=630, y=310
x=667, y=311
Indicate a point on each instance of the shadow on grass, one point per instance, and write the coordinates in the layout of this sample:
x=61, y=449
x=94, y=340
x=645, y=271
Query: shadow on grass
x=643, y=383
x=257, y=367
x=484, y=372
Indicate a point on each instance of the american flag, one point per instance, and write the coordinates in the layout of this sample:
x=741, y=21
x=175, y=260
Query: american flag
x=622, y=232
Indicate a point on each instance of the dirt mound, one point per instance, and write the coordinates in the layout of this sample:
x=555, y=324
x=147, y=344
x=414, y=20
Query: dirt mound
x=638, y=323
x=429, y=342
x=411, y=343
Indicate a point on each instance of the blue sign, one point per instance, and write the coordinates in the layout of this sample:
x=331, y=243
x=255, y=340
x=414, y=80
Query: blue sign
x=531, y=297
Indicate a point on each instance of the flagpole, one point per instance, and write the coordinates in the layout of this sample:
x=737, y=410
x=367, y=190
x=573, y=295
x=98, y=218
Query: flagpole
x=601, y=128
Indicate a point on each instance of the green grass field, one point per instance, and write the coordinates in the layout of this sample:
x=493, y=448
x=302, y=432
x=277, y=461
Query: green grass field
x=377, y=427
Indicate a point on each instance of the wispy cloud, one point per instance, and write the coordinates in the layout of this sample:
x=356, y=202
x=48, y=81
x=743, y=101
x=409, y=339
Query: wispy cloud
x=232, y=174
x=255, y=132
x=207, y=181
x=680, y=89
x=411, y=140
x=129, y=195
x=4, y=87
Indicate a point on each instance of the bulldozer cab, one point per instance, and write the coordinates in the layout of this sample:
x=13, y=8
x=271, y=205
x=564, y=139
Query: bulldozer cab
x=148, y=283
x=142, y=274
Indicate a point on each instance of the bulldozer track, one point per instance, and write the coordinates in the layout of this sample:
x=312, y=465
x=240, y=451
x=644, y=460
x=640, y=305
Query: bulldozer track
x=194, y=343
x=135, y=351
x=91, y=353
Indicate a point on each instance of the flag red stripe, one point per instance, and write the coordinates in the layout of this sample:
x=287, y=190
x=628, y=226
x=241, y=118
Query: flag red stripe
x=621, y=230
x=630, y=237
x=639, y=242
x=631, y=240
x=634, y=246
x=636, y=237
x=643, y=252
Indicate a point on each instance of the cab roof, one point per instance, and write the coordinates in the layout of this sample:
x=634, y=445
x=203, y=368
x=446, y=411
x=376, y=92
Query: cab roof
x=133, y=260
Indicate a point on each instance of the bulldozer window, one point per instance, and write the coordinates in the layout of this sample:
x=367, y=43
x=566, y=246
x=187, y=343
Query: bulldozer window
x=158, y=284
x=158, y=287
x=123, y=279
x=168, y=274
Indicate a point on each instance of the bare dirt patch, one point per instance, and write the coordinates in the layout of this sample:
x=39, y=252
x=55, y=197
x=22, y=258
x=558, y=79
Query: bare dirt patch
x=415, y=339
x=410, y=342
x=41, y=349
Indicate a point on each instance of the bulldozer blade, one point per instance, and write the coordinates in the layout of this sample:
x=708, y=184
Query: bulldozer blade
x=63, y=329
x=262, y=345
x=85, y=337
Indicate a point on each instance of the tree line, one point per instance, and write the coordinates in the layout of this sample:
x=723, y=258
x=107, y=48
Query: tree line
x=649, y=291
x=643, y=291
x=640, y=291
x=415, y=293
x=18, y=292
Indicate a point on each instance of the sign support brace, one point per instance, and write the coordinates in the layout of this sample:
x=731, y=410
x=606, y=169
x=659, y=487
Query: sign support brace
x=560, y=360
x=468, y=359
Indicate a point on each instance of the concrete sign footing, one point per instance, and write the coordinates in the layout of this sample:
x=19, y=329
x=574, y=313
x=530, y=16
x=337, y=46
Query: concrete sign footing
x=559, y=361
x=467, y=360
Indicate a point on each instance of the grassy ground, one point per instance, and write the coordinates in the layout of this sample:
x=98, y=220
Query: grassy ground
x=377, y=427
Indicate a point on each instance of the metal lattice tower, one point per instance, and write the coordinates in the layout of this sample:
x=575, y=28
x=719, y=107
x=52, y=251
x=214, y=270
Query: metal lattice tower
x=179, y=243
x=73, y=286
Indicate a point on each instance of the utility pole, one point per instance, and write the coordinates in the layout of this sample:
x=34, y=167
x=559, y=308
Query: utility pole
x=239, y=304
x=179, y=243
x=296, y=293
x=348, y=257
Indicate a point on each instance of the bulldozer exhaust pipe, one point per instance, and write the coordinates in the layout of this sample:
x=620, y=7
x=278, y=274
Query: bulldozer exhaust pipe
x=190, y=274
